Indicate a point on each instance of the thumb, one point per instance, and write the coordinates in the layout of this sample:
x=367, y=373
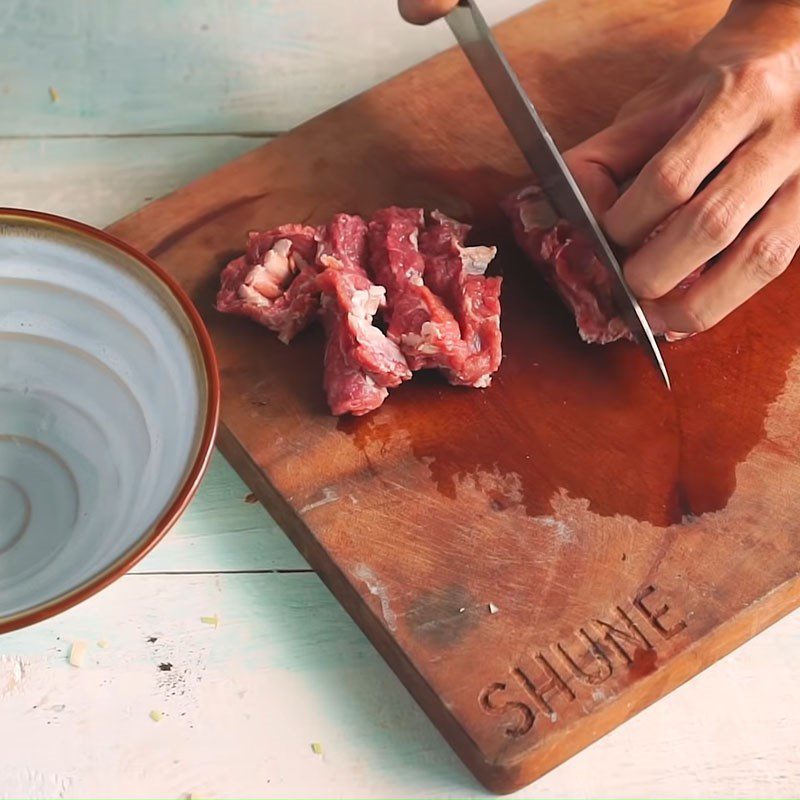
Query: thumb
x=421, y=12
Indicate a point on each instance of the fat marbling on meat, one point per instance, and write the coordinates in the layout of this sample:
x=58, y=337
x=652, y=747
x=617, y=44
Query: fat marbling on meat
x=361, y=363
x=457, y=275
x=567, y=262
x=275, y=282
x=418, y=319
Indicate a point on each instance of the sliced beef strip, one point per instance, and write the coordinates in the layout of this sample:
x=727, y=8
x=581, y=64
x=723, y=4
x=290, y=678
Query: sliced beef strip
x=456, y=274
x=567, y=262
x=395, y=259
x=275, y=282
x=358, y=299
x=342, y=244
x=348, y=388
x=360, y=361
x=418, y=321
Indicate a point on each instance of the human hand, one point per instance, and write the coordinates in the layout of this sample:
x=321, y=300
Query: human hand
x=421, y=12
x=715, y=145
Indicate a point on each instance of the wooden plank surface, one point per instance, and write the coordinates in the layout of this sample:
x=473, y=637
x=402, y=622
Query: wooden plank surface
x=224, y=530
x=97, y=180
x=197, y=66
x=741, y=734
x=621, y=570
x=287, y=667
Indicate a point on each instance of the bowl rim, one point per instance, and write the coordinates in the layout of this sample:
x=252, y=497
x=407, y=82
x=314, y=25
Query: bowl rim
x=204, y=443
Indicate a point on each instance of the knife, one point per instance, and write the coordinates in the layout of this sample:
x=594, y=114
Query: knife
x=536, y=144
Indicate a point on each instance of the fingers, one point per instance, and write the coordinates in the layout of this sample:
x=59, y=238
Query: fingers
x=596, y=182
x=421, y=12
x=704, y=227
x=607, y=159
x=761, y=254
x=626, y=145
x=675, y=173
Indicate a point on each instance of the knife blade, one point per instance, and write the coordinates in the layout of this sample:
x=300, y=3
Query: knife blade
x=556, y=181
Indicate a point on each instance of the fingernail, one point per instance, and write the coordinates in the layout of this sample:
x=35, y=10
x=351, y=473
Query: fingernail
x=675, y=336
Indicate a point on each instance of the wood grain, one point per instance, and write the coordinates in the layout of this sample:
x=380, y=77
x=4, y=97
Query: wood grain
x=276, y=675
x=98, y=180
x=197, y=66
x=223, y=530
x=628, y=537
x=287, y=667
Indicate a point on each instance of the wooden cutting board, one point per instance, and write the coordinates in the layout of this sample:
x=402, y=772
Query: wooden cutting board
x=625, y=537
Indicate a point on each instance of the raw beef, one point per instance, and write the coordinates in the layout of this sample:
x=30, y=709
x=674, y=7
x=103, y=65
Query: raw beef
x=395, y=259
x=439, y=309
x=275, y=282
x=361, y=363
x=418, y=321
x=457, y=275
x=568, y=263
x=347, y=388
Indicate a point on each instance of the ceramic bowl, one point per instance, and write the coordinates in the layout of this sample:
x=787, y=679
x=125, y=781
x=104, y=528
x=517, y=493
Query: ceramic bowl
x=109, y=398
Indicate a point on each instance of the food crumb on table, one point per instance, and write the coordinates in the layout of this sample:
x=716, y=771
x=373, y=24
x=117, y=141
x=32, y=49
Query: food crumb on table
x=77, y=653
x=156, y=716
x=316, y=747
x=213, y=620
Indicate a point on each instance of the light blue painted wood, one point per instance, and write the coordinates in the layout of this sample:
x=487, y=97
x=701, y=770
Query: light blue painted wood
x=242, y=702
x=286, y=667
x=221, y=532
x=99, y=180
x=146, y=66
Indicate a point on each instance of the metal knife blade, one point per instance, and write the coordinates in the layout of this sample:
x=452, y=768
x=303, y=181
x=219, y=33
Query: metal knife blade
x=536, y=144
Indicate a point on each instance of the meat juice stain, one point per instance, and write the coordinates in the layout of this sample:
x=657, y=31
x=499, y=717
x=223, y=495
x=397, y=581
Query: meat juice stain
x=594, y=421
x=643, y=664
x=681, y=502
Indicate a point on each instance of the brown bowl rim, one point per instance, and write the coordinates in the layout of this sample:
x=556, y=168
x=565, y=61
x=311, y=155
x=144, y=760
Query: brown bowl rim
x=205, y=446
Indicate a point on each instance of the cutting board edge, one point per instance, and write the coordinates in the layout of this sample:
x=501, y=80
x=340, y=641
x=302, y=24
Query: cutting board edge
x=496, y=773
x=368, y=621
x=704, y=652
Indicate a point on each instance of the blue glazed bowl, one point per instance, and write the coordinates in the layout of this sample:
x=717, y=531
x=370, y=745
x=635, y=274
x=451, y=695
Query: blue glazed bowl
x=109, y=399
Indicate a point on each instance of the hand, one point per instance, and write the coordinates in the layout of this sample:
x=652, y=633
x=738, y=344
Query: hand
x=421, y=12
x=714, y=145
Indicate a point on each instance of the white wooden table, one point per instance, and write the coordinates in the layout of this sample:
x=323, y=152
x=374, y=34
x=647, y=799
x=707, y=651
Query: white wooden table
x=103, y=106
